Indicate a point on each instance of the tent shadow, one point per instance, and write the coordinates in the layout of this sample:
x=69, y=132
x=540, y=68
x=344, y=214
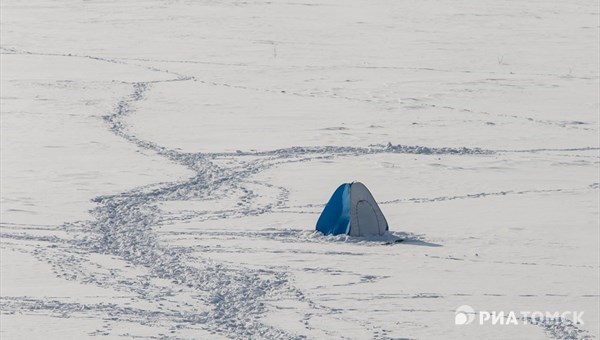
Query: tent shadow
x=415, y=242
x=401, y=237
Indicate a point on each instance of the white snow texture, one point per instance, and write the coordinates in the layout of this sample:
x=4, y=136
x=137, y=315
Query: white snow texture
x=164, y=164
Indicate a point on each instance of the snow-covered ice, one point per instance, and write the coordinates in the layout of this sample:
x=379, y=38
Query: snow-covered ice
x=164, y=164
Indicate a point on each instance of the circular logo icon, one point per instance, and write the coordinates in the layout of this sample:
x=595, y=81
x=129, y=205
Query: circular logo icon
x=464, y=315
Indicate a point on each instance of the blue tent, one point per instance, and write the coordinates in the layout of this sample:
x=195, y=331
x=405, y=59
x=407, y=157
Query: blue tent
x=352, y=210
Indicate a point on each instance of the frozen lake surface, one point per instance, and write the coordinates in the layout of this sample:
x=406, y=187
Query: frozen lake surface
x=164, y=164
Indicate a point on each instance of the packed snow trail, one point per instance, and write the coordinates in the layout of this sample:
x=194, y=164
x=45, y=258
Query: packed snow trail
x=123, y=227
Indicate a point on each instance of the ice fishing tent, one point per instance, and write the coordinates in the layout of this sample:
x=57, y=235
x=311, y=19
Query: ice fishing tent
x=352, y=210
